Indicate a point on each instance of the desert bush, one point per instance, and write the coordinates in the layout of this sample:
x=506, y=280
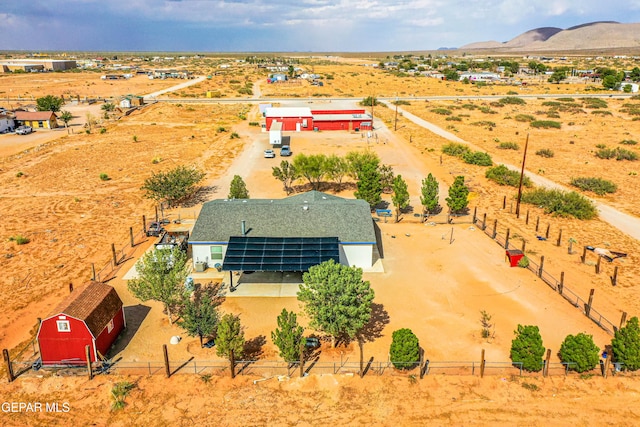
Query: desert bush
x=454, y=119
x=455, y=149
x=234, y=135
x=254, y=123
x=597, y=185
x=221, y=129
x=469, y=106
x=104, y=177
x=595, y=103
x=487, y=110
x=119, y=392
x=514, y=100
x=616, y=153
x=553, y=114
x=527, y=348
x=19, y=239
x=524, y=262
x=103, y=130
x=551, y=104
x=441, y=111
x=580, y=352
x=545, y=124
x=477, y=158
x=484, y=123
x=401, y=102
x=19, y=174
x=545, y=152
x=504, y=176
x=405, y=349
x=561, y=203
x=629, y=142
x=602, y=112
x=509, y=146
x=524, y=118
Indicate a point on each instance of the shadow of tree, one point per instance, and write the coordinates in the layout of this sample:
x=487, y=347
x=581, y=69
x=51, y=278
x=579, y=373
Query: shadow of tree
x=253, y=348
x=379, y=319
x=203, y=194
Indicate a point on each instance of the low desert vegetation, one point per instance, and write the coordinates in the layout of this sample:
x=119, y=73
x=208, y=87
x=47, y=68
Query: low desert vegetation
x=508, y=146
x=579, y=352
x=441, y=111
x=546, y=124
x=561, y=203
x=504, y=176
x=477, y=158
x=512, y=100
x=19, y=239
x=545, y=152
x=629, y=142
x=616, y=153
x=596, y=185
x=524, y=118
x=455, y=149
x=104, y=177
x=626, y=345
x=405, y=349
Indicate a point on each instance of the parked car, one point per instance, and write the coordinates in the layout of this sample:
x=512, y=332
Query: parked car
x=155, y=229
x=312, y=342
x=24, y=130
x=269, y=154
x=285, y=151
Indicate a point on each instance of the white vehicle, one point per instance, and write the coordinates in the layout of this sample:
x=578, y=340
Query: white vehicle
x=24, y=130
x=269, y=154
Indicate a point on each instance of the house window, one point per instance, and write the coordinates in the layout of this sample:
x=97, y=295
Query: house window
x=110, y=326
x=40, y=124
x=216, y=253
x=63, y=326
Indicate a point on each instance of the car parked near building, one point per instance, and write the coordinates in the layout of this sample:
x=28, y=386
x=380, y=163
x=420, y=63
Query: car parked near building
x=285, y=151
x=269, y=154
x=24, y=130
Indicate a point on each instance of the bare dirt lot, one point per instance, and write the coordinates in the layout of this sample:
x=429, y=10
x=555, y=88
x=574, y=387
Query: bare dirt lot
x=435, y=288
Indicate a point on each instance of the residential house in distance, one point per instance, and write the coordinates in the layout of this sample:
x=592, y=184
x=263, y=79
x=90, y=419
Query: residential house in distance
x=37, y=119
x=6, y=122
x=130, y=101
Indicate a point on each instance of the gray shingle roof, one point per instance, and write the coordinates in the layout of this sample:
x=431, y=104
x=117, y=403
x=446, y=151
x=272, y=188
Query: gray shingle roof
x=325, y=215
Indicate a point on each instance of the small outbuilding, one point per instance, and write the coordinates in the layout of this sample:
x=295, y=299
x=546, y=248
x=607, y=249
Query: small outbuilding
x=92, y=316
x=37, y=119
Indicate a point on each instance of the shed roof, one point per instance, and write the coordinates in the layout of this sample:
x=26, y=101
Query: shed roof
x=34, y=115
x=96, y=304
x=288, y=112
x=340, y=117
x=311, y=214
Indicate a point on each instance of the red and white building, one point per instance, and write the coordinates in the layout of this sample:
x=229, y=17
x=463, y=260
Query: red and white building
x=92, y=316
x=303, y=118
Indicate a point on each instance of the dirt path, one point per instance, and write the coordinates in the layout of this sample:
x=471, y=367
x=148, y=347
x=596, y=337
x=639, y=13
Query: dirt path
x=188, y=83
x=623, y=222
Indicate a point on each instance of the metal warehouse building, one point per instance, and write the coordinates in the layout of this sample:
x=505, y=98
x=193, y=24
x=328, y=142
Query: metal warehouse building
x=303, y=118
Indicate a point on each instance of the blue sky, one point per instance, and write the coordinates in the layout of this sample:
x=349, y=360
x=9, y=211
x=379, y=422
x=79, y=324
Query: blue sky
x=287, y=25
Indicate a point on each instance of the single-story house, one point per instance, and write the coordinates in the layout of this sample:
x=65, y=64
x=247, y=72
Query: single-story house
x=37, y=119
x=130, y=101
x=290, y=234
x=92, y=316
x=6, y=122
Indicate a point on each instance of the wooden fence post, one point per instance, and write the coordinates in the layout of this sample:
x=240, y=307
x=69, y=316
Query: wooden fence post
x=133, y=243
x=584, y=254
x=113, y=252
x=587, y=309
x=93, y=272
x=232, y=361
x=623, y=319
x=546, y=235
x=526, y=221
x=421, y=363
x=302, y=359
x=598, y=264
x=484, y=222
x=561, y=284
x=165, y=352
x=541, y=269
x=87, y=353
x=495, y=228
x=607, y=361
x=524, y=245
x=482, y=364
x=614, y=278
x=559, y=237
x=504, y=202
x=506, y=239
x=7, y=359
x=144, y=223
x=361, y=345
x=475, y=214
x=537, y=224
x=546, y=363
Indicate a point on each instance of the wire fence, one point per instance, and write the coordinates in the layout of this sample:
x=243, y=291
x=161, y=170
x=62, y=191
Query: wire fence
x=555, y=284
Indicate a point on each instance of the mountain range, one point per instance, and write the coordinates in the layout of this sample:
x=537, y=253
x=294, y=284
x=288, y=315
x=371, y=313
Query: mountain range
x=603, y=35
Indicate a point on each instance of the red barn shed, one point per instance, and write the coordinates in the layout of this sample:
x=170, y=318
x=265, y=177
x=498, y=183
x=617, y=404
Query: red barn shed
x=349, y=119
x=292, y=118
x=93, y=316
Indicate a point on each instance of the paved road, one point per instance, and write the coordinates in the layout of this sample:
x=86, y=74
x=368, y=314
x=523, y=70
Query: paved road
x=624, y=222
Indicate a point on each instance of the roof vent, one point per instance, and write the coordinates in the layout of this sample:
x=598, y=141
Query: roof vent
x=305, y=208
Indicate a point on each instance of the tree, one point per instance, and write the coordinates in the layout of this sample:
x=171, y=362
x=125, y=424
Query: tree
x=357, y=160
x=336, y=167
x=292, y=71
x=91, y=120
x=238, y=189
x=451, y=74
x=288, y=336
x=230, y=337
x=458, y=199
x=311, y=167
x=429, y=198
x=580, y=351
x=200, y=314
x=65, y=117
x=336, y=299
x=405, y=349
x=49, y=103
x=161, y=275
x=369, y=185
x=610, y=82
x=635, y=74
x=626, y=345
x=173, y=185
x=557, y=76
x=286, y=173
x=386, y=178
x=485, y=322
x=369, y=100
x=108, y=107
x=527, y=348
x=400, y=197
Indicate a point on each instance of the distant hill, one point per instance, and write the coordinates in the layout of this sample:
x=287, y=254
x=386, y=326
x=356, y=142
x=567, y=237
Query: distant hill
x=590, y=36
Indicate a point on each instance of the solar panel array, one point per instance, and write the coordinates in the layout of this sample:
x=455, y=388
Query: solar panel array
x=279, y=253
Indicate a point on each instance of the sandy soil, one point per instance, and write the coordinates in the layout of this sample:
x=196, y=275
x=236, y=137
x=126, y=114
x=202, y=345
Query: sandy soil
x=72, y=217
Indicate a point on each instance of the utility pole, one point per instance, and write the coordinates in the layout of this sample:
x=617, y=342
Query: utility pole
x=372, y=104
x=395, y=126
x=524, y=158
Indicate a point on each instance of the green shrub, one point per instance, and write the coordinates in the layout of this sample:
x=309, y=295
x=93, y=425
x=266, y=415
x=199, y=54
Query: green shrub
x=254, y=123
x=509, y=146
x=551, y=104
x=221, y=129
x=19, y=239
x=553, y=114
x=484, y=123
x=505, y=176
x=580, y=352
x=469, y=106
x=626, y=345
x=454, y=119
x=545, y=124
x=602, y=112
x=601, y=146
x=234, y=135
x=512, y=100
x=401, y=102
x=561, y=203
x=405, y=349
x=597, y=185
x=441, y=111
x=545, y=152
x=103, y=130
x=104, y=177
x=629, y=142
x=524, y=118
x=527, y=348
x=594, y=103
x=487, y=110
x=524, y=262
x=455, y=149
x=19, y=174
x=477, y=158
x=616, y=153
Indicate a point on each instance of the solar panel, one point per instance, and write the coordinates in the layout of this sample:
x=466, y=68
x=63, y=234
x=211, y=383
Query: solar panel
x=279, y=253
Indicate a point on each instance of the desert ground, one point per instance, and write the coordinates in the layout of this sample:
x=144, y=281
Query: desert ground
x=72, y=216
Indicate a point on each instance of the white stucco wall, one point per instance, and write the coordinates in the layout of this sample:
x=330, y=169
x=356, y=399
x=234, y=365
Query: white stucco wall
x=357, y=255
x=202, y=253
